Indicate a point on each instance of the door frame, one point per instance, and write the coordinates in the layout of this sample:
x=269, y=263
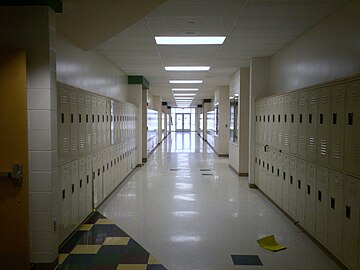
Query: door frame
x=182, y=122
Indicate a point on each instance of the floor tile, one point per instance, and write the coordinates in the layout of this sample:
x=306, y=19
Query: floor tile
x=131, y=267
x=153, y=260
x=72, y=242
x=86, y=249
x=86, y=227
x=246, y=260
x=116, y=241
x=102, y=221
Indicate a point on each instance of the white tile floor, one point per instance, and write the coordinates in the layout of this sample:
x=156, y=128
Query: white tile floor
x=190, y=221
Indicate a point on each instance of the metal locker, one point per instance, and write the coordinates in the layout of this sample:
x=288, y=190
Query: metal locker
x=302, y=125
x=334, y=212
x=113, y=168
x=82, y=189
x=285, y=182
x=300, y=191
x=105, y=174
x=280, y=122
x=95, y=177
x=324, y=103
x=63, y=99
x=311, y=135
x=81, y=118
x=279, y=180
x=267, y=125
x=100, y=183
x=293, y=123
x=351, y=221
x=65, y=205
x=286, y=123
x=273, y=126
x=352, y=129
x=292, y=186
x=94, y=123
x=108, y=122
x=272, y=173
x=258, y=177
x=257, y=126
x=89, y=185
x=74, y=193
x=74, y=124
x=337, y=126
x=100, y=122
x=103, y=123
x=310, y=180
x=88, y=122
x=321, y=195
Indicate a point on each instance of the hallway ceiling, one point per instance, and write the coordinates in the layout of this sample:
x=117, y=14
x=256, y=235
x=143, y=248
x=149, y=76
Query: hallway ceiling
x=254, y=28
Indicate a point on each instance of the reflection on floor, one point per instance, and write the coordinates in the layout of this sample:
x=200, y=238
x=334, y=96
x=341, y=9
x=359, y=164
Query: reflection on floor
x=99, y=244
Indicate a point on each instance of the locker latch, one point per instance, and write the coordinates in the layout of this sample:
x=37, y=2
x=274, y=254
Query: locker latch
x=16, y=175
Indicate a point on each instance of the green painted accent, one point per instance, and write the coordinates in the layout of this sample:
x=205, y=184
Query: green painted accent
x=56, y=5
x=139, y=80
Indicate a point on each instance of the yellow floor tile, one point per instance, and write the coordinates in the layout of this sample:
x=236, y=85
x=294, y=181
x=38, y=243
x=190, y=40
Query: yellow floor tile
x=86, y=249
x=103, y=221
x=118, y=241
x=62, y=257
x=86, y=227
x=152, y=260
x=131, y=267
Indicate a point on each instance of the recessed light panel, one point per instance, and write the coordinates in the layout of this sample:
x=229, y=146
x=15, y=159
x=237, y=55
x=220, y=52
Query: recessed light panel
x=208, y=40
x=185, y=89
x=186, y=81
x=186, y=95
x=187, y=68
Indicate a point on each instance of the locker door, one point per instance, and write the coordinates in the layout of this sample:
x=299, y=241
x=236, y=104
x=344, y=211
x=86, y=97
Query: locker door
x=272, y=175
x=257, y=169
x=82, y=123
x=105, y=175
x=293, y=122
x=321, y=220
x=103, y=122
x=100, y=182
x=285, y=182
x=266, y=177
x=280, y=122
x=311, y=145
x=95, y=177
x=292, y=186
x=82, y=189
x=74, y=124
x=334, y=208
x=302, y=124
x=113, y=168
x=310, y=197
x=351, y=221
x=257, y=126
x=279, y=180
x=108, y=122
x=63, y=124
x=94, y=116
x=100, y=122
x=324, y=125
x=274, y=126
x=88, y=115
x=269, y=128
x=74, y=194
x=65, y=205
x=89, y=185
x=300, y=191
x=352, y=129
x=286, y=123
x=337, y=126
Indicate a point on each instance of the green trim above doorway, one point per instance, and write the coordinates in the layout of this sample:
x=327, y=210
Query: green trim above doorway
x=139, y=80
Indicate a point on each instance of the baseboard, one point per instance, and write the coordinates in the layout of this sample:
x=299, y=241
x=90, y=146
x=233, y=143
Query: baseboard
x=223, y=155
x=238, y=173
x=144, y=160
x=243, y=174
x=252, y=185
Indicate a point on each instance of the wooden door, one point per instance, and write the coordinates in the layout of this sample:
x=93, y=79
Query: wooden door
x=14, y=205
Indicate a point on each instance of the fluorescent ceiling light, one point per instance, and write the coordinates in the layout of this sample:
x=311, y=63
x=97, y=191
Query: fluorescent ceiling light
x=185, y=89
x=184, y=98
x=205, y=40
x=184, y=95
x=186, y=81
x=188, y=68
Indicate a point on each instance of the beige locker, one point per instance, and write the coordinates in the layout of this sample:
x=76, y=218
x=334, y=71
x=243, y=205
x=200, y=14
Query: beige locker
x=96, y=179
x=256, y=168
x=334, y=211
x=74, y=124
x=257, y=122
x=300, y=191
x=324, y=103
x=271, y=178
x=81, y=118
x=63, y=99
x=88, y=121
x=352, y=129
x=268, y=106
x=293, y=123
x=74, y=193
x=292, y=186
x=286, y=123
x=89, y=185
x=273, y=126
x=285, y=179
x=310, y=198
x=321, y=206
x=351, y=221
x=279, y=180
x=108, y=123
x=99, y=120
x=302, y=124
x=280, y=122
x=65, y=205
x=311, y=135
x=337, y=126
x=94, y=124
x=82, y=189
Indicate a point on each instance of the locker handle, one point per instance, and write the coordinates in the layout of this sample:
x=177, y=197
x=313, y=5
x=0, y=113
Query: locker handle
x=103, y=168
x=80, y=183
x=72, y=188
x=291, y=179
x=299, y=184
x=278, y=172
x=350, y=119
x=72, y=118
x=321, y=118
x=272, y=169
x=334, y=118
x=284, y=175
x=308, y=189
x=300, y=118
x=63, y=194
x=98, y=172
x=62, y=118
x=319, y=195
x=87, y=179
x=348, y=211
x=332, y=203
x=79, y=118
x=310, y=118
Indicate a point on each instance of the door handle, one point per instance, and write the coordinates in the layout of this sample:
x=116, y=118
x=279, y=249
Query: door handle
x=16, y=175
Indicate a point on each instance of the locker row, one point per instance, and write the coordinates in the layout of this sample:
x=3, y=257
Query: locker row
x=87, y=181
x=88, y=122
x=325, y=202
x=320, y=125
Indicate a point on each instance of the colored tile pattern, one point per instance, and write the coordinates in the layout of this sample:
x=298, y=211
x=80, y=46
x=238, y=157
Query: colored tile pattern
x=101, y=245
x=246, y=260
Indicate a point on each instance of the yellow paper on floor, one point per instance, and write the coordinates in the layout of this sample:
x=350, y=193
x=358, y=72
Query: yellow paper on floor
x=270, y=243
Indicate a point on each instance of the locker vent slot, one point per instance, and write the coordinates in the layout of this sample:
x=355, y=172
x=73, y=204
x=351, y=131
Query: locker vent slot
x=310, y=118
x=321, y=118
x=62, y=118
x=299, y=184
x=319, y=195
x=308, y=189
x=312, y=146
x=72, y=188
x=63, y=194
x=348, y=211
x=350, y=119
x=332, y=203
x=334, y=118
x=323, y=147
x=286, y=139
x=336, y=150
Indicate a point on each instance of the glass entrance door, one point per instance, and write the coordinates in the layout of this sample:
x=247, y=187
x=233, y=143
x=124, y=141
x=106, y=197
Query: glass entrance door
x=183, y=122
